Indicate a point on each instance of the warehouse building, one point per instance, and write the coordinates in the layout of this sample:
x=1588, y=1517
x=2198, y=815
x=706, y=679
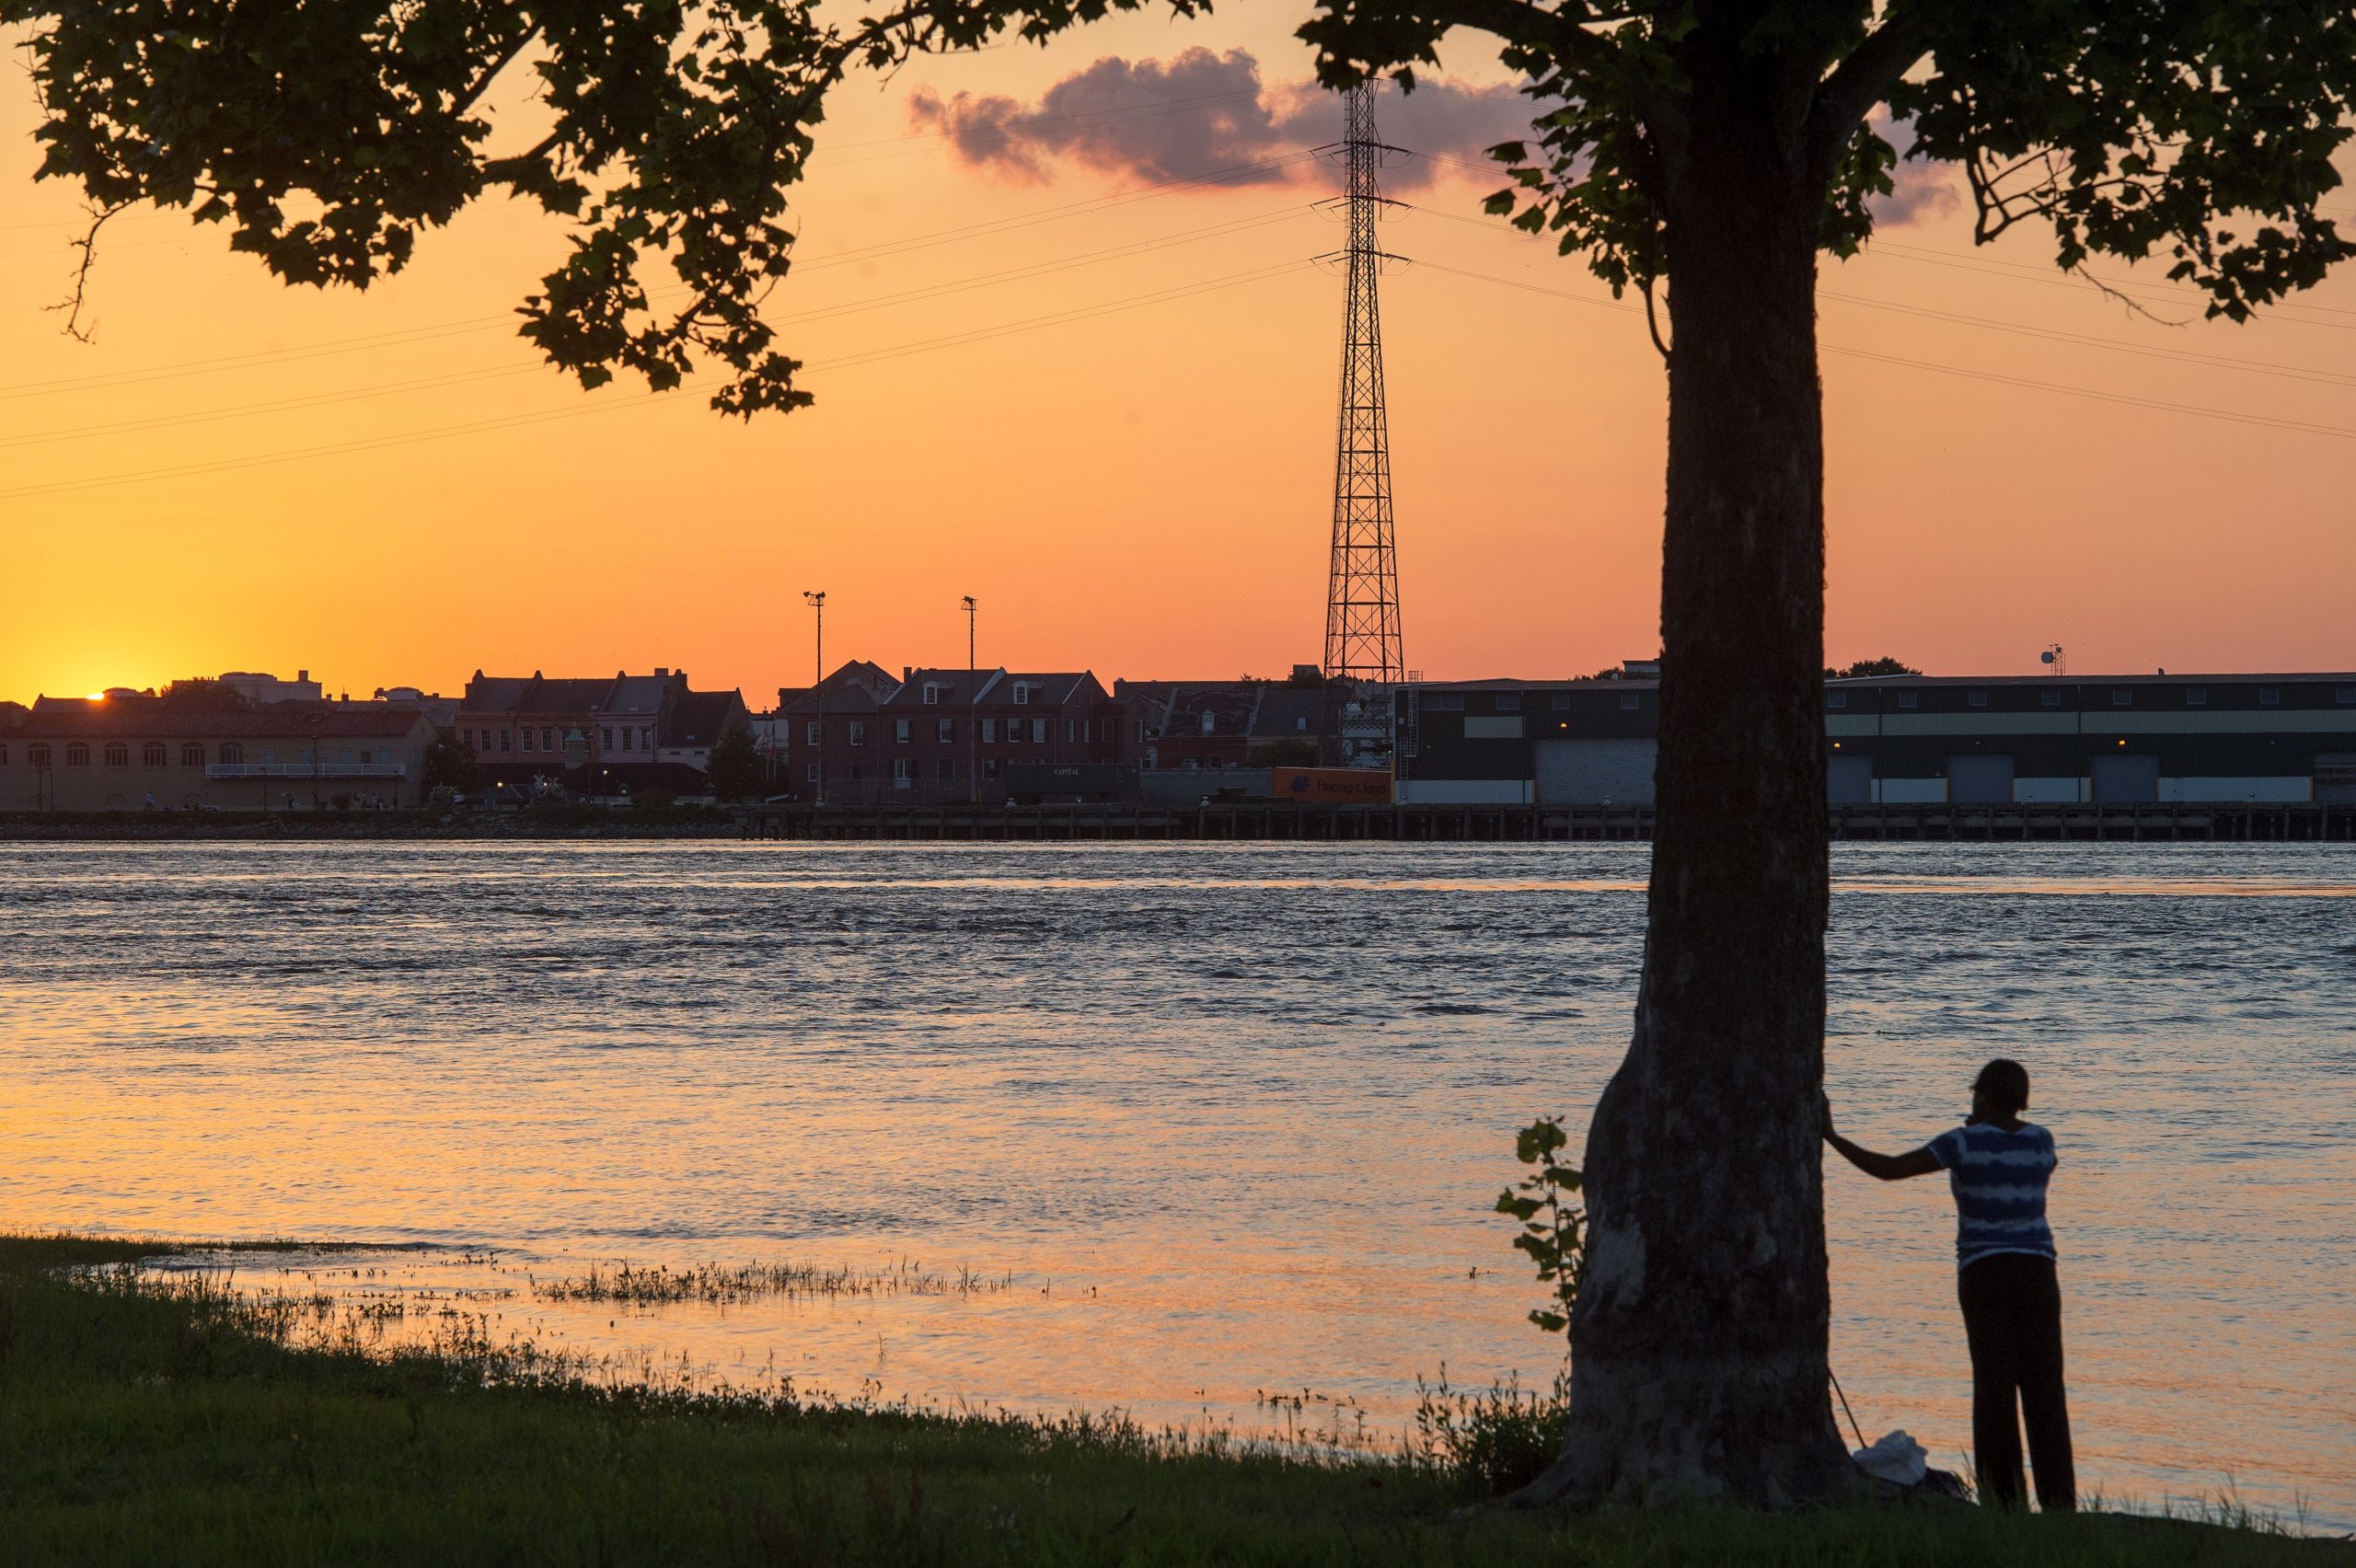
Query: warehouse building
x=1910, y=740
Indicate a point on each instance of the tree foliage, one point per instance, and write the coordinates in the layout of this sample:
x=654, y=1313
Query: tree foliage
x=1861, y=668
x=451, y=761
x=735, y=768
x=202, y=693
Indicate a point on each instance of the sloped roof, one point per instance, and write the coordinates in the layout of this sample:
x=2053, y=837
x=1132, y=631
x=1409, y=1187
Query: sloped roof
x=700, y=718
x=1230, y=704
x=148, y=718
x=1292, y=711
x=1053, y=688
x=953, y=687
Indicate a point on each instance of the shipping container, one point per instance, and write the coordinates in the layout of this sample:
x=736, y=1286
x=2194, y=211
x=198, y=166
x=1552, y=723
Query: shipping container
x=1331, y=786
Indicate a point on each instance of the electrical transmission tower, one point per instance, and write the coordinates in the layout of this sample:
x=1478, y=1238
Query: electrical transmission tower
x=1362, y=586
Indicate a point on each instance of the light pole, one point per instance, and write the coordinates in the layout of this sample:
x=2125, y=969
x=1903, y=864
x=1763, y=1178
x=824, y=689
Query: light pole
x=817, y=601
x=972, y=710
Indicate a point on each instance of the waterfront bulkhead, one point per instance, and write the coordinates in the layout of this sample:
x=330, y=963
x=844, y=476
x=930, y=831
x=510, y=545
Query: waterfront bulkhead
x=1909, y=740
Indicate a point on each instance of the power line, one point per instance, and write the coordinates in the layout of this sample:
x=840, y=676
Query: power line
x=2129, y=399
x=2055, y=334
x=988, y=228
x=647, y=399
x=854, y=307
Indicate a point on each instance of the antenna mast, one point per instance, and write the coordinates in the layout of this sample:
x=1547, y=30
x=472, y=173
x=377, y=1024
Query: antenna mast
x=1362, y=585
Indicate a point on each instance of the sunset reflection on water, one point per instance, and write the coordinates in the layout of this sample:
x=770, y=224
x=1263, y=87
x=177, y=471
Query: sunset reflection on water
x=1228, y=1119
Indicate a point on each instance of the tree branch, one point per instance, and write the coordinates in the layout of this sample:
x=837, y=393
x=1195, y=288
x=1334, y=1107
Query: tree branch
x=1517, y=21
x=1908, y=29
x=88, y=246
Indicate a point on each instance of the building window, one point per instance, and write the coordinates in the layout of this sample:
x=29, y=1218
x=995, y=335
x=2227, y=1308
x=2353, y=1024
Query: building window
x=193, y=755
x=1022, y=694
x=527, y=740
x=811, y=773
x=990, y=729
x=605, y=736
x=1977, y=696
x=1441, y=701
x=810, y=732
x=117, y=755
x=77, y=756
x=504, y=737
x=1909, y=698
x=1836, y=699
x=1210, y=722
x=1562, y=702
x=37, y=755
x=152, y=754
x=900, y=770
x=2269, y=697
x=2196, y=697
x=1038, y=732
x=1508, y=703
x=2051, y=696
x=855, y=774
x=646, y=740
x=990, y=767
x=231, y=751
x=1071, y=731
x=945, y=730
x=948, y=769
x=2122, y=697
x=932, y=693
x=548, y=739
x=857, y=735
x=1630, y=702
x=900, y=730
x=2345, y=694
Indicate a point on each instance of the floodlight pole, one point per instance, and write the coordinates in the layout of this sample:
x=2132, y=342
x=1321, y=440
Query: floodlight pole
x=817, y=601
x=973, y=712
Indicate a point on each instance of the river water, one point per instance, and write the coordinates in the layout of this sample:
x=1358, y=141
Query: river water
x=1216, y=1123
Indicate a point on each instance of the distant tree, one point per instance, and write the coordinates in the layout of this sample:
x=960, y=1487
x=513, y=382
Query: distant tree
x=1285, y=751
x=736, y=770
x=450, y=762
x=1885, y=666
x=1700, y=152
x=204, y=695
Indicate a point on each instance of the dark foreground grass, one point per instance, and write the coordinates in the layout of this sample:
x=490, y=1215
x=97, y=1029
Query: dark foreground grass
x=162, y=1424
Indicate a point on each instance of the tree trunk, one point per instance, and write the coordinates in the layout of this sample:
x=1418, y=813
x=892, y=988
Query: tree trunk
x=1698, y=1366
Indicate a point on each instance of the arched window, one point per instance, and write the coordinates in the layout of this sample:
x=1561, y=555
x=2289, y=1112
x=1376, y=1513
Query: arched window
x=77, y=756
x=117, y=755
x=37, y=755
x=192, y=755
x=152, y=755
x=232, y=752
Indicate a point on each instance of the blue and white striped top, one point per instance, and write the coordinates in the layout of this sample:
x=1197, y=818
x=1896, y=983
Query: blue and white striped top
x=1999, y=1180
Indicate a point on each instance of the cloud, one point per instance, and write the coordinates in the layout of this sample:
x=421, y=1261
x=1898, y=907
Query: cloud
x=1923, y=188
x=1201, y=114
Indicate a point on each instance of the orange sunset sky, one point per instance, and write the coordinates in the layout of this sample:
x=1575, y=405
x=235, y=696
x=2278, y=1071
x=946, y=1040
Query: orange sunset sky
x=1143, y=491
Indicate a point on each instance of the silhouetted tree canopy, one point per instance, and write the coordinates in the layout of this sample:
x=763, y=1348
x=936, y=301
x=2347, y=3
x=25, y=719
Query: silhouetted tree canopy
x=1885, y=666
x=202, y=693
x=451, y=761
x=735, y=769
x=329, y=138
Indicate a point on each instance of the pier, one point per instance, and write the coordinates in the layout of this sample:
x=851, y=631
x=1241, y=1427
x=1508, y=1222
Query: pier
x=2300, y=822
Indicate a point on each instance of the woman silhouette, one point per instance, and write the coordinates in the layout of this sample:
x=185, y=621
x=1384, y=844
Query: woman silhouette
x=1998, y=1166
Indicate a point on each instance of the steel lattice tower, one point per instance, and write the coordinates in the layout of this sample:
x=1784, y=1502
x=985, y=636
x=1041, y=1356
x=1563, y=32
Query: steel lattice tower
x=1362, y=586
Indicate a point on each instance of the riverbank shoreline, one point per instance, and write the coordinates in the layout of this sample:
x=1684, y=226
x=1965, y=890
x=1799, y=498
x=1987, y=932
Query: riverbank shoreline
x=171, y=1421
x=269, y=827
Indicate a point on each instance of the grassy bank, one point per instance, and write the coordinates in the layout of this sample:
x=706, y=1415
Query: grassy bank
x=173, y=1423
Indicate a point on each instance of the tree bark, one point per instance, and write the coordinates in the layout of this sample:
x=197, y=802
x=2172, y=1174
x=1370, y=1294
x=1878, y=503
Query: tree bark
x=1698, y=1366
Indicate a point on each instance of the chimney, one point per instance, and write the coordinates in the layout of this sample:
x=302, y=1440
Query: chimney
x=662, y=672
x=302, y=675
x=907, y=674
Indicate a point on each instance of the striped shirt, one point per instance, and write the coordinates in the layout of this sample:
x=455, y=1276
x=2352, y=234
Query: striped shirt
x=1999, y=1180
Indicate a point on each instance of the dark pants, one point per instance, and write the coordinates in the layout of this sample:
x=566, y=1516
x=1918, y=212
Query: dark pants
x=2012, y=1315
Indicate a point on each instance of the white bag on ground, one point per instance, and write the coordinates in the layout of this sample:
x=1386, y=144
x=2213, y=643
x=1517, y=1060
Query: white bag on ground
x=1895, y=1458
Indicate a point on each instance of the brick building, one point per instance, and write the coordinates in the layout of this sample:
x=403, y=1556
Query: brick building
x=596, y=736
x=939, y=735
